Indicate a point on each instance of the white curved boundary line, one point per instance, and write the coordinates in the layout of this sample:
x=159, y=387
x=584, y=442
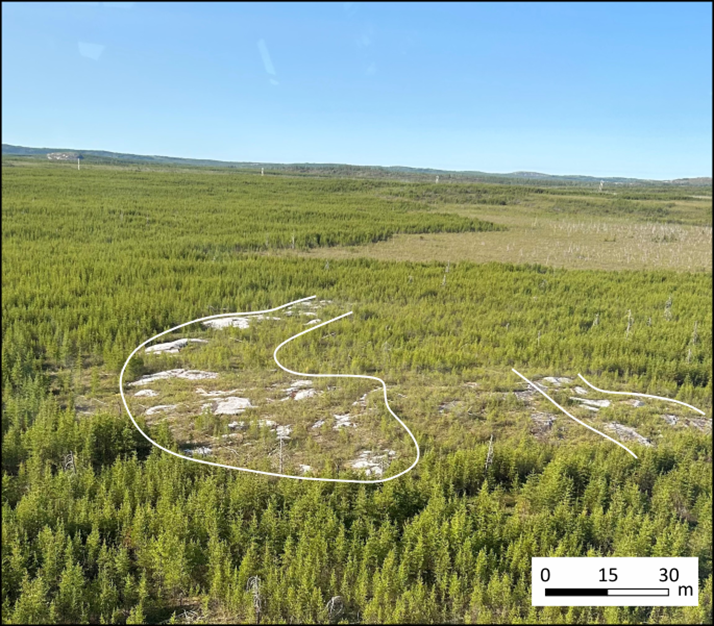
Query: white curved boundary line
x=572, y=417
x=384, y=386
x=641, y=395
x=244, y=469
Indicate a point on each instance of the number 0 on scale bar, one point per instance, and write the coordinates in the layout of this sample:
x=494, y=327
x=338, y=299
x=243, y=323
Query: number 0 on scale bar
x=615, y=581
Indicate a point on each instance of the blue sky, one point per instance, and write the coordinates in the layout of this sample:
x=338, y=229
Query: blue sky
x=603, y=89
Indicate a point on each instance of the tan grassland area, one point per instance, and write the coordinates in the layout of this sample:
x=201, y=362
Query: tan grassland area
x=578, y=242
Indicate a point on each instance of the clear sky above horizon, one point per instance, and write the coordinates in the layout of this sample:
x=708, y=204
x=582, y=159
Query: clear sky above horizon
x=601, y=89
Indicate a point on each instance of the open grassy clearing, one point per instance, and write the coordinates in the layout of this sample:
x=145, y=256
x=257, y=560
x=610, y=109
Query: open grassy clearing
x=577, y=245
x=344, y=422
x=237, y=414
x=218, y=405
x=536, y=231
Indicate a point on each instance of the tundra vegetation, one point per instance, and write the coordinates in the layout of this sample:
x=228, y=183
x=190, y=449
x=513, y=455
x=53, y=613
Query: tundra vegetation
x=99, y=526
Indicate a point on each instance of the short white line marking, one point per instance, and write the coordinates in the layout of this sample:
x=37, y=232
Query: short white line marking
x=245, y=469
x=641, y=395
x=573, y=417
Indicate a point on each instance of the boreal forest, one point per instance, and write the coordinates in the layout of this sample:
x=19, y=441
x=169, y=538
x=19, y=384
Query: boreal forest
x=451, y=284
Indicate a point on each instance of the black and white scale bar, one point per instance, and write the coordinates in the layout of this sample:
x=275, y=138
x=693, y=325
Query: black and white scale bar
x=606, y=592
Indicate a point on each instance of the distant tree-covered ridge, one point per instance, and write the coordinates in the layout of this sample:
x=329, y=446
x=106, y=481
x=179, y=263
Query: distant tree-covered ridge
x=359, y=171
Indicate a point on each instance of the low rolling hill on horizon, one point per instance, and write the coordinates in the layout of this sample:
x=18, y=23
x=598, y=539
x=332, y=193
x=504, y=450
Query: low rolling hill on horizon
x=103, y=156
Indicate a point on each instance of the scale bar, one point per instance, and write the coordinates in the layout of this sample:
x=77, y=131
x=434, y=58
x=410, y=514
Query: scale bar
x=592, y=591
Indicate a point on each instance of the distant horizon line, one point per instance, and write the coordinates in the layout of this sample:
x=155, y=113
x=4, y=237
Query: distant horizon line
x=329, y=163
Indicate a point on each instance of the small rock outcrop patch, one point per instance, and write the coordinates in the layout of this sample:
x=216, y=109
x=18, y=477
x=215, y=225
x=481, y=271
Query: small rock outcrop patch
x=229, y=406
x=161, y=408
x=178, y=373
x=628, y=434
x=146, y=393
x=172, y=347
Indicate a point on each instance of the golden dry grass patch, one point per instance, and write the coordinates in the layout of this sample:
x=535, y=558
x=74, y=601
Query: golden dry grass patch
x=600, y=245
